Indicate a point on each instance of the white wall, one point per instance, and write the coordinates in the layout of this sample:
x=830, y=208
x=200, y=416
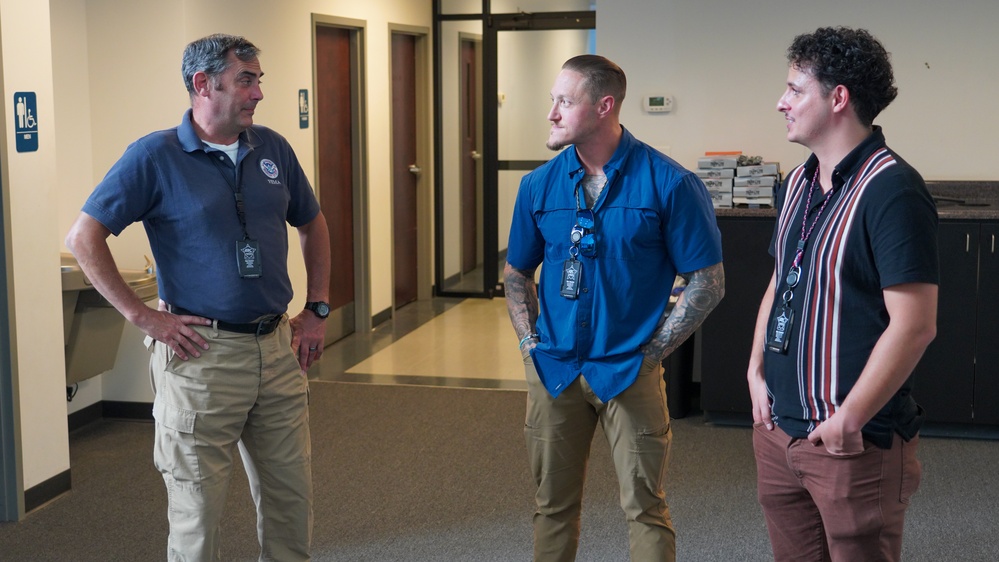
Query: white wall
x=34, y=239
x=725, y=64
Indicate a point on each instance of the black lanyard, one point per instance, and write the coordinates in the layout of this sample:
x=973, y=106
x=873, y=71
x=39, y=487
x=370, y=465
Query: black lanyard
x=236, y=186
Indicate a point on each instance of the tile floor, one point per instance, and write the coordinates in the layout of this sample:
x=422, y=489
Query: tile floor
x=443, y=342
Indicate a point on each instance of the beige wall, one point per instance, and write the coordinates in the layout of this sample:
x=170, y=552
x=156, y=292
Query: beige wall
x=34, y=242
x=724, y=62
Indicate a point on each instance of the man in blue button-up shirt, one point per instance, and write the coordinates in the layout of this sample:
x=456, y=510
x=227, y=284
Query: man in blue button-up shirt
x=614, y=222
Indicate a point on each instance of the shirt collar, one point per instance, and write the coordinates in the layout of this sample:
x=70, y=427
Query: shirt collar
x=617, y=161
x=190, y=141
x=850, y=165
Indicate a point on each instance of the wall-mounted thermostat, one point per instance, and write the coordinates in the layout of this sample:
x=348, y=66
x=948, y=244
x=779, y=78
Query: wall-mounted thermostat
x=657, y=103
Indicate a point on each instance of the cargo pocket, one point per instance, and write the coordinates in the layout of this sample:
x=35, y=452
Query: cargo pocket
x=175, y=451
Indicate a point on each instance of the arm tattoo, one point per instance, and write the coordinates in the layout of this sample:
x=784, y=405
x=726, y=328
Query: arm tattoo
x=705, y=288
x=521, y=299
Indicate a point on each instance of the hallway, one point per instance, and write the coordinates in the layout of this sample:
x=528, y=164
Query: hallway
x=450, y=342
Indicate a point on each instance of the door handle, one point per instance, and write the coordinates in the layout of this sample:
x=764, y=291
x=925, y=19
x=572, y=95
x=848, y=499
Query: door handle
x=475, y=155
x=414, y=169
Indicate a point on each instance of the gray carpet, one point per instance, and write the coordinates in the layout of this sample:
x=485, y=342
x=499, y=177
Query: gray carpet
x=440, y=474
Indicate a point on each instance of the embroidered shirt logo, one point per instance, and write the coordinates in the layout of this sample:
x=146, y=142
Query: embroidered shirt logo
x=269, y=168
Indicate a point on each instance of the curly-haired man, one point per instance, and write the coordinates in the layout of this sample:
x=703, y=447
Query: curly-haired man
x=849, y=311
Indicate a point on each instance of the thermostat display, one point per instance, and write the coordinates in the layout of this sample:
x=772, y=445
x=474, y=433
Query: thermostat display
x=658, y=103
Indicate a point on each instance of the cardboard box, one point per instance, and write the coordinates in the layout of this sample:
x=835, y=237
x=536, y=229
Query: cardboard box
x=720, y=200
x=717, y=162
x=755, y=181
x=705, y=173
x=752, y=202
x=767, y=192
x=718, y=184
x=765, y=169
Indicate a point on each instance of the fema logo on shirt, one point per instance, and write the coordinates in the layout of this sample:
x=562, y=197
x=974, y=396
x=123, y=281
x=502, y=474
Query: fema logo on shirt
x=269, y=168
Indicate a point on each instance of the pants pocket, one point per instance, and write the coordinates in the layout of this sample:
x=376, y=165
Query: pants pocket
x=175, y=451
x=912, y=470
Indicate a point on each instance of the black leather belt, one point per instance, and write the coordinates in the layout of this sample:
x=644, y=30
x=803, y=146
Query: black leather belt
x=260, y=328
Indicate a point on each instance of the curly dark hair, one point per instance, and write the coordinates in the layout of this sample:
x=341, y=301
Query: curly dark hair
x=851, y=57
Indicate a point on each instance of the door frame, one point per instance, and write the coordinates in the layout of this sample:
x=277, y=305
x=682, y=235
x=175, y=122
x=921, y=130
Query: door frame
x=11, y=477
x=359, y=140
x=492, y=24
x=424, y=199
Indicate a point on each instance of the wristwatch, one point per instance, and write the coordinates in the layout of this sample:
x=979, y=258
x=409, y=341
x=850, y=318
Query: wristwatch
x=320, y=308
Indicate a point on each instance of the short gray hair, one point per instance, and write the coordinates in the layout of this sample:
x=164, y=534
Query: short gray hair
x=210, y=55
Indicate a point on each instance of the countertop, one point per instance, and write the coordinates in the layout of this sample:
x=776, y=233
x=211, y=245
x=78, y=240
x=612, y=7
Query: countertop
x=956, y=200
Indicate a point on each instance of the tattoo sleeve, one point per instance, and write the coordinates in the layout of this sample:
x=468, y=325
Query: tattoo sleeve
x=705, y=289
x=521, y=299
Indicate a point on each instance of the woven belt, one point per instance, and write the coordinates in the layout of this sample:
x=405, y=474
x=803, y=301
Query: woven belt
x=260, y=328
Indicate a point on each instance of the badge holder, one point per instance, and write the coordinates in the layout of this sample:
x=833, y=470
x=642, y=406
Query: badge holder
x=248, y=258
x=782, y=322
x=572, y=270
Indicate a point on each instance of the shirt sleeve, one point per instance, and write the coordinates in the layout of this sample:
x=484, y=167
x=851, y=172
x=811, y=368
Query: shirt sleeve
x=526, y=246
x=125, y=194
x=904, y=241
x=691, y=230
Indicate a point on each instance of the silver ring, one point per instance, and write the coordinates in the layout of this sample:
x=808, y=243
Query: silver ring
x=313, y=348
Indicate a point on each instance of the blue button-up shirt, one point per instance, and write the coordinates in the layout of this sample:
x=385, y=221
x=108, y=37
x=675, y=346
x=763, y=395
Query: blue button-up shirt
x=652, y=220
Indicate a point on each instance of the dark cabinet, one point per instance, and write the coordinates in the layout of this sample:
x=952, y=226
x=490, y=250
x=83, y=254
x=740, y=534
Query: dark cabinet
x=726, y=336
x=957, y=381
x=945, y=376
x=986, y=406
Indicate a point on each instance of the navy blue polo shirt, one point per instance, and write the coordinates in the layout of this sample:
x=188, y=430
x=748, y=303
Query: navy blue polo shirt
x=653, y=219
x=183, y=193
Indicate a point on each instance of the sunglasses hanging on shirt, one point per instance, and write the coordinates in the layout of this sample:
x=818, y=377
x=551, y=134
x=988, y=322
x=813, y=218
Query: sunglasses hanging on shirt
x=583, y=243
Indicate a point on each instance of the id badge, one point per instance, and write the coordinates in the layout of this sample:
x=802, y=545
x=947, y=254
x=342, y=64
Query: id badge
x=780, y=329
x=571, y=272
x=248, y=258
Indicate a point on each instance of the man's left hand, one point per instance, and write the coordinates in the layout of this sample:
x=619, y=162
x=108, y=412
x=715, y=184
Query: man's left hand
x=836, y=438
x=308, y=335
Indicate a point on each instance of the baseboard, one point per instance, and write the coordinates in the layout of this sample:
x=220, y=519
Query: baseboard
x=39, y=495
x=128, y=410
x=85, y=416
x=382, y=316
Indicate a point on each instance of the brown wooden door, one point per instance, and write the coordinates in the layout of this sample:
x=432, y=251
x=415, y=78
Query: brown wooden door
x=334, y=119
x=469, y=160
x=405, y=168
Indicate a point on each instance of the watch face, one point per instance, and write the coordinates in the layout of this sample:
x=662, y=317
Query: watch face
x=323, y=309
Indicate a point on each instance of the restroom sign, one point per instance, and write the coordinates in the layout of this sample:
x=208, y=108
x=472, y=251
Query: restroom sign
x=303, y=109
x=25, y=121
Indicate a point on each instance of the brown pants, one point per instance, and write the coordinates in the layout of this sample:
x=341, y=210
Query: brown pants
x=821, y=506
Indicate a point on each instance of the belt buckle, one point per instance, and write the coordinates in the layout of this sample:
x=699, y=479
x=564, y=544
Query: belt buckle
x=266, y=326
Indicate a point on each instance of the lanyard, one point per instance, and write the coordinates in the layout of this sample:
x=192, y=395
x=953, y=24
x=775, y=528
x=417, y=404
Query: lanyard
x=794, y=273
x=581, y=236
x=237, y=190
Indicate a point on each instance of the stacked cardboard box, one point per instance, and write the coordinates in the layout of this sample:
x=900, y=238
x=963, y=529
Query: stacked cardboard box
x=753, y=185
x=718, y=174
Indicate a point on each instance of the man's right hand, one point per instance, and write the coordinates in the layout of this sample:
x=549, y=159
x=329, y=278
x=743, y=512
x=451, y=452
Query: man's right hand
x=174, y=330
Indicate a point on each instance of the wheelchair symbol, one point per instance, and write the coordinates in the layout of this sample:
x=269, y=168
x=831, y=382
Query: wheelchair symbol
x=25, y=117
